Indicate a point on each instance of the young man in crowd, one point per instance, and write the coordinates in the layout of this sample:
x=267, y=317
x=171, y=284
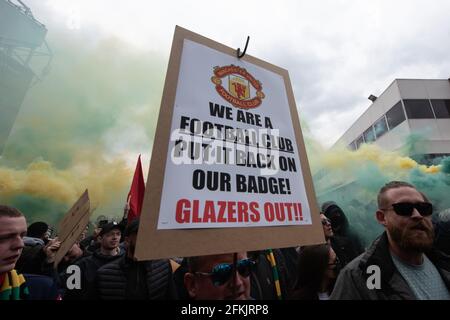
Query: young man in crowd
x=15, y=286
x=129, y=279
x=402, y=263
x=109, y=239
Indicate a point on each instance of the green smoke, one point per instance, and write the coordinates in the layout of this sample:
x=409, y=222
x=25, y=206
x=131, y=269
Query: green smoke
x=43, y=209
x=353, y=178
x=98, y=104
x=445, y=165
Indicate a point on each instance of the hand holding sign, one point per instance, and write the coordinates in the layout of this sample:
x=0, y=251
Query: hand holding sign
x=50, y=249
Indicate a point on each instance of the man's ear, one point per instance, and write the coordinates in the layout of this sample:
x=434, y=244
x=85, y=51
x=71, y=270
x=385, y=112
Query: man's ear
x=381, y=217
x=189, y=284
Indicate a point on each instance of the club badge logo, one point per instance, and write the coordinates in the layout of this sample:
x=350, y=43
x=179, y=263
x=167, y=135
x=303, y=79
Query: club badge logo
x=237, y=86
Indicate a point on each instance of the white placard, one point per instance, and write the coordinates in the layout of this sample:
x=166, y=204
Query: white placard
x=213, y=178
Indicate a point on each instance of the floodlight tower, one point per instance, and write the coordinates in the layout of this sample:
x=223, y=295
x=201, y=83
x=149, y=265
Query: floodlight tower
x=25, y=58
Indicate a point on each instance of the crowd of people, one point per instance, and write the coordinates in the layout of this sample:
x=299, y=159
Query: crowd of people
x=409, y=260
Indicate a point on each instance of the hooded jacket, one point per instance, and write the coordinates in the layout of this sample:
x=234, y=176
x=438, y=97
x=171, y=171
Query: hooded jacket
x=345, y=242
x=33, y=256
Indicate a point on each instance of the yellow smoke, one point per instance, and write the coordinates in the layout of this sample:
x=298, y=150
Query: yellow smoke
x=105, y=180
x=386, y=161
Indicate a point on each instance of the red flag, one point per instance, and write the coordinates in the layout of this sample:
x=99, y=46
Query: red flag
x=136, y=194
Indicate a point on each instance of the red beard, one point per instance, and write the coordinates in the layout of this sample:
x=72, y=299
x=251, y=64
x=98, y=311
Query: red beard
x=415, y=236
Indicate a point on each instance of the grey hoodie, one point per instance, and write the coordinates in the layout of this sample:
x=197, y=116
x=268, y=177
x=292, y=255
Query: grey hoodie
x=31, y=242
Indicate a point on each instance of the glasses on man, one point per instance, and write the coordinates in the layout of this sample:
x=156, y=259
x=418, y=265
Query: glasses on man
x=406, y=209
x=222, y=272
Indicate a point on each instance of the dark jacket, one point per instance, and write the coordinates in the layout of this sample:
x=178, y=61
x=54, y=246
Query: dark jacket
x=89, y=266
x=60, y=274
x=304, y=294
x=291, y=259
x=125, y=279
x=263, y=279
x=33, y=256
x=352, y=281
x=178, y=278
x=345, y=241
x=346, y=248
x=442, y=236
x=41, y=287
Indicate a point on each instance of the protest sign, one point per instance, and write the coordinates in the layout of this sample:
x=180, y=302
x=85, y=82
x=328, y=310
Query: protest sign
x=229, y=170
x=72, y=225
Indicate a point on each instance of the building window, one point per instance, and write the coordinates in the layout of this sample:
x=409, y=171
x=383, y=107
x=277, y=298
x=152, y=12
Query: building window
x=380, y=127
x=395, y=116
x=359, y=142
x=430, y=158
x=352, y=146
x=441, y=108
x=418, y=109
x=369, y=135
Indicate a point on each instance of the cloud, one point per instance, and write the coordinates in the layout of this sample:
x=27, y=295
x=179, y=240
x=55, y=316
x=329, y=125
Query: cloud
x=337, y=52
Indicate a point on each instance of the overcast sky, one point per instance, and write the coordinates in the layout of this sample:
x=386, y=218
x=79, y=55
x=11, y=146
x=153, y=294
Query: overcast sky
x=337, y=52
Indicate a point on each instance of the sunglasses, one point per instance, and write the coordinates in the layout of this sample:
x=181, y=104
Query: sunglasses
x=405, y=209
x=222, y=272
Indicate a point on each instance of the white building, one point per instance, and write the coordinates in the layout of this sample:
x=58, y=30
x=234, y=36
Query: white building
x=406, y=107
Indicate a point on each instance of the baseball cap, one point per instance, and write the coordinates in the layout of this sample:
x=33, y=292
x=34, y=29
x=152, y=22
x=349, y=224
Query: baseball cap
x=110, y=226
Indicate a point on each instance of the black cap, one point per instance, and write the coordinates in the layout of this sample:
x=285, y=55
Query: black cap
x=37, y=229
x=110, y=226
x=101, y=223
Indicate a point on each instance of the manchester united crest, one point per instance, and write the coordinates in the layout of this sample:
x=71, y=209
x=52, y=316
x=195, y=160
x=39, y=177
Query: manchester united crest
x=238, y=87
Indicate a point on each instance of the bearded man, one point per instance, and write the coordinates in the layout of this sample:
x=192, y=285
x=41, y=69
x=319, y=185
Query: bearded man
x=402, y=263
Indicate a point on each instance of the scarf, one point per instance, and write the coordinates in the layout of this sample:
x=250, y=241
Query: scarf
x=13, y=286
x=276, y=277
